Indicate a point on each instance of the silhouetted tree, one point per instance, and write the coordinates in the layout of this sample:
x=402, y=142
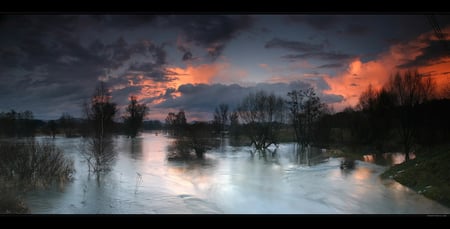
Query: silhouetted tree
x=134, y=117
x=262, y=115
x=176, y=123
x=198, y=138
x=100, y=113
x=221, y=117
x=234, y=124
x=376, y=107
x=410, y=90
x=8, y=123
x=17, y=124
x=305, y=110
x=52, y=126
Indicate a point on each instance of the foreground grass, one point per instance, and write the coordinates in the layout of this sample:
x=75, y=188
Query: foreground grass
x=29, y=165
x=428, y=174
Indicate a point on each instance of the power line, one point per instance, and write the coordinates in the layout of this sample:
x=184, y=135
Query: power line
x=437, y=30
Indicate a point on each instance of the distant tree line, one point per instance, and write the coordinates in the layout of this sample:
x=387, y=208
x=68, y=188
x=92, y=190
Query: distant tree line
x=403, y=115
x=17, y=124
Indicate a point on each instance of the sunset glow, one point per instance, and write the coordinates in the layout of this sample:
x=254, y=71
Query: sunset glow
x=357, y=77
x=165, y=61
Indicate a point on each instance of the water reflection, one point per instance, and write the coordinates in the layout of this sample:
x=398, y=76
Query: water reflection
x=387, y=158
x=309, y=156
x=227, y=180
x=136, y=148
x=362, y=173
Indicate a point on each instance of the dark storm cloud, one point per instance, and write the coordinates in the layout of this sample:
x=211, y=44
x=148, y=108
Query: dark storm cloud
x=149, y=71
x=204, y=97
x=210, y=32
x=124, y=21
x=187, y=56
x=319, y=55
x=154, y=69
x=319, y=22
x=335, y=65
x=430, y=54
x=356, y=30
x=44, y=58
x=297, y=46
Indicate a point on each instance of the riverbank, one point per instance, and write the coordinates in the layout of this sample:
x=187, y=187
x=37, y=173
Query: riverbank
x=428, y=174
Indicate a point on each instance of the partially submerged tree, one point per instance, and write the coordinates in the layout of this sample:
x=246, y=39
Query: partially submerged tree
x=100, y=112
x=234, y=124
x=262, y=115
x=305, y=110
x=176, y=123
x=221, y=117
x=195, y=141
x=134, y=117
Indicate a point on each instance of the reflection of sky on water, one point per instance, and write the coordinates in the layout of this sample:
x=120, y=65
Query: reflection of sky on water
x=229, y=180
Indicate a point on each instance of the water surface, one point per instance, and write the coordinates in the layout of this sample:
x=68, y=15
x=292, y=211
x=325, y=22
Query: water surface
x=228, y=180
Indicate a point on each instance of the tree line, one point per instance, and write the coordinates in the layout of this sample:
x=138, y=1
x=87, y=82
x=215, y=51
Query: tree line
x=403, y=114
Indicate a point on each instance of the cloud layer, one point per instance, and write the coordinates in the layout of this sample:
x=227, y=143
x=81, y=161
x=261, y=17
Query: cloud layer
x=50, y=64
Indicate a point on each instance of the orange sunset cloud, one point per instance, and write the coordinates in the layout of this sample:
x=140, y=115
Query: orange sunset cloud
x=357, y=77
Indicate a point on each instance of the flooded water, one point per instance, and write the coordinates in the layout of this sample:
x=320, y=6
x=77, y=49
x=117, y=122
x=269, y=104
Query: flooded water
x=228, y=180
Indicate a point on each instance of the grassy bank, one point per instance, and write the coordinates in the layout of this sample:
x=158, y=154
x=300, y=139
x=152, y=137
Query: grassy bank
x=428, y=174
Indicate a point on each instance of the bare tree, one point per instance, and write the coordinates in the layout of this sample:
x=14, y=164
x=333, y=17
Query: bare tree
x=234, y=124
x=263, y=115
x=410, y=90
x=176, y=123
x=134, y=117
x=305, y=109
x=367, y=98
x=221, y=117
x=98, y=150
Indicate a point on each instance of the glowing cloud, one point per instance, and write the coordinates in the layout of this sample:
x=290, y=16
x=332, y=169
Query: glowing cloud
x=197, y=74
x=359, y=75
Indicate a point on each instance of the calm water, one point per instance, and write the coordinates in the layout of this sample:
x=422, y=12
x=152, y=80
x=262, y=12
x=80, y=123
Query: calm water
x=229, y=180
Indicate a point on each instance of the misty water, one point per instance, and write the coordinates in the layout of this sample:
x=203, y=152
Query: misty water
x=228, y=180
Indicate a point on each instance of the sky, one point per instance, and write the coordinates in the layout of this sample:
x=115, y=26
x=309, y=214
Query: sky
x=51, y=64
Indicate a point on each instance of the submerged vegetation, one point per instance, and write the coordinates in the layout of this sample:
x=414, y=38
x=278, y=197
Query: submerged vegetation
x=98, y=148
x=404, y=115
x=30, y=165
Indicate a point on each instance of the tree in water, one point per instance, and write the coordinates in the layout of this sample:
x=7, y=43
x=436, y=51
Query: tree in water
x=52, y=127
x=234, y=124
x=262, y=114
x=410, y=89
x=176, y=123
x=305, y=110
x=99, y=151
x=221, y=117
x=134, y=117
